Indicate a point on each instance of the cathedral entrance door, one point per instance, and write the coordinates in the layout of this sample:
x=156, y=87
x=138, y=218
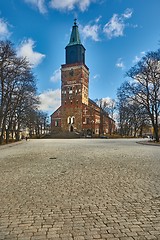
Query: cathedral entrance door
x=71, y=128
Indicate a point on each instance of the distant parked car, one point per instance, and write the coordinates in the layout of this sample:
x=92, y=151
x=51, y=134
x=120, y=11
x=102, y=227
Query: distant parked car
x=103, y=136
x=150, y=136
x=88, y=136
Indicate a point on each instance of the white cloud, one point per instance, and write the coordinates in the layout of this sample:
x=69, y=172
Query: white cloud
x=138, y=58
x=98, y=19
x=50, y=100
x=70, y=4
x=26, y=50
x=56, y=76
x=120, y=63
x=4, y=31
x=115, y=27
x=40, y=4
x=105, y=101
x=60, y=4
x=90, y=31
x=128, y=13
x=84, y=4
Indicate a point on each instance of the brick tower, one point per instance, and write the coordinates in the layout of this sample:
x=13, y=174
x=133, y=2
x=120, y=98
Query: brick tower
x=74, y=83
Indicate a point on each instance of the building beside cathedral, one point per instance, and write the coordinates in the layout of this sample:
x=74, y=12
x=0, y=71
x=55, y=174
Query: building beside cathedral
x=78, y=113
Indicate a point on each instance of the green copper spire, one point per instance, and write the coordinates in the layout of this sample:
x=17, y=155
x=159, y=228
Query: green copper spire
x=75, y=52
x=75, y=38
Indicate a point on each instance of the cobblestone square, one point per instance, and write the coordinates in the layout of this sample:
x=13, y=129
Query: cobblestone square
x=79, y=189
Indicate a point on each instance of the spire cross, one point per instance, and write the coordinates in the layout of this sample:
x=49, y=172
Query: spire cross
x=75, y=21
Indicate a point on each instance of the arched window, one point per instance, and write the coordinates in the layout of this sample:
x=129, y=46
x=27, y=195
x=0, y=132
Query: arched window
x=70, y=90
x=69, y=120
x=56, y=123
x=72, y=120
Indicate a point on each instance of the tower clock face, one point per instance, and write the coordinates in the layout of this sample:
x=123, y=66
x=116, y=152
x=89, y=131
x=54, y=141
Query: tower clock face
x=71, y=72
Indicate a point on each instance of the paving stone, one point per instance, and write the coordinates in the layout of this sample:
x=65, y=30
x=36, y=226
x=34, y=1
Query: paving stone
x=91, y=191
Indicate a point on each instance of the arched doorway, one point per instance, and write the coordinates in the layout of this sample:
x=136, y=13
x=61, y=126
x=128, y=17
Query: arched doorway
x=71, y=128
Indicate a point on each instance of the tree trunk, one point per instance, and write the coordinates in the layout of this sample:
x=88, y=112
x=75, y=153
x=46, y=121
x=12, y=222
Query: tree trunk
x=156, y=135
x=1, y=137
x=17, y=135
x=141, y=131
x=7, y=135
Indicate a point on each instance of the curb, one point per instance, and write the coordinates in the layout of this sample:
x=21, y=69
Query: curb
x=10, y=145
x=149, y=143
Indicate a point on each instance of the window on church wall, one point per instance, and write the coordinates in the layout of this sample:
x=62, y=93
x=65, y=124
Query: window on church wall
x=97, y=131
x=69, y=120
x=56, y=123
x=84, y=120
x=70, y=90
x=97, y=120
x=73, y=120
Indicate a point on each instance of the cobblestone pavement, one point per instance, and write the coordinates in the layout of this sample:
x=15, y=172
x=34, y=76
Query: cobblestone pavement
x=79, y=189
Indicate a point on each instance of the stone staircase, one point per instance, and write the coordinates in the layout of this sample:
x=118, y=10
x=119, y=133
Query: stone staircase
x=62, y=135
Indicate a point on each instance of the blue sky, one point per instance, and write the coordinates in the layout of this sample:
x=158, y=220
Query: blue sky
x=115, y=33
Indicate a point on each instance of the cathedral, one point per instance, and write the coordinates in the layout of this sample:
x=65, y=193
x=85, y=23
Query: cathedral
x=78, y=113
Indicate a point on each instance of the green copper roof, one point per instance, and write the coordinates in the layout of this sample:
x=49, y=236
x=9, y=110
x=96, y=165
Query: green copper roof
x=75, y=38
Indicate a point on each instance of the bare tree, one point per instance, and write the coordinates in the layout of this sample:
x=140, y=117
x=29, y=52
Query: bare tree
x=17, y=91
x=108, y=105
x=132, y=116
x=145, y=87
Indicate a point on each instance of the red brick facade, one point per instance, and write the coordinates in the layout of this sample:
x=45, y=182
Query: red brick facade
x=78, y=112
